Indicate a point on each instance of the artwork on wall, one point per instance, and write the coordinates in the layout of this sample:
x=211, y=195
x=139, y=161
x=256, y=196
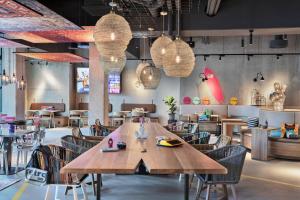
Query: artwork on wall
x=82, y=83
x=196, y=101
x=114, y=83
x=214, y=85
x=205, y=101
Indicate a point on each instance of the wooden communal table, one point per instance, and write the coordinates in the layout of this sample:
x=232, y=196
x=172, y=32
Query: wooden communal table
x=158, y=160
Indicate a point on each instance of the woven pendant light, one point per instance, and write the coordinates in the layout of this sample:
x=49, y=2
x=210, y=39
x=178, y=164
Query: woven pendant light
x=179, y=60
x=115, y=64
x=113, y=32
x=159, y=46
x=150, y=77
x=140, y=68
x=158, y=49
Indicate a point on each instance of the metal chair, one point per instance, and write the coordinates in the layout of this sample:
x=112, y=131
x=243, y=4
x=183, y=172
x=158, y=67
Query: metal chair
x=59, y=158
x=74, y=115
x=46, y=116
x=222, y=141
x=232, y=157
x=25, y=145
x=99, y=130
x=79, y=145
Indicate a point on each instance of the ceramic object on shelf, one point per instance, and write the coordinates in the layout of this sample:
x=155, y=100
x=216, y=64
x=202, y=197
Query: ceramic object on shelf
x=233, y=101
x=206, y=101
x=187, y=100
x=196, y=100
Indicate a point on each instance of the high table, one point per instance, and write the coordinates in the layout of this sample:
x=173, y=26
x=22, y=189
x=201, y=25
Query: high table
x=8, y=139
x=158, y=160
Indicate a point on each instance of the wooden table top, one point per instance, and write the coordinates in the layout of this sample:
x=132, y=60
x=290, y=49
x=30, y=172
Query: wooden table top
x=158, y=160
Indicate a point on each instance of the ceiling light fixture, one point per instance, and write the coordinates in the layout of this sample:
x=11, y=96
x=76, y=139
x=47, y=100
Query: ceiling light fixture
x=179, y=59
x=158, y=48
x=251, y=36
x=242, y=42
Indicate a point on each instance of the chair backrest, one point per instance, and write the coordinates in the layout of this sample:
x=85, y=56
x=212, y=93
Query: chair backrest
x=137, y=114
x=45, y=113
x=76, y=132
x=232, y=157
x=203, y=137
x=78, y=145
x=223, y=140
x=75, y=113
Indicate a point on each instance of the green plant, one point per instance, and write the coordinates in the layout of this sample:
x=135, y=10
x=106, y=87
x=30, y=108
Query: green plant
x=171, y=103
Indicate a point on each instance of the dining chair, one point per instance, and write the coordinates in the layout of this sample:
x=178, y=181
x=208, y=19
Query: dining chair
x=79, y=145
x=46, y=116
x=98, y=129
x=74, y=115
x=52, y=163
x=25, y=144
x=232, y=157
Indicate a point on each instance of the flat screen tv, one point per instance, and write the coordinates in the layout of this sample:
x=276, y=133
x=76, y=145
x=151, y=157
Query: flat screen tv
x=114, y=83
x=82, y=83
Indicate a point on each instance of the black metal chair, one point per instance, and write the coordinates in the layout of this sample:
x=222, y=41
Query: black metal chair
x=51, y=160
x=80, y=145
x=232, y=157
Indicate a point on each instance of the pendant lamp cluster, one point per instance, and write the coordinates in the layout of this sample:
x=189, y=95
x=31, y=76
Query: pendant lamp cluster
x=176, y=57
x=9, y=78
x=112, y=35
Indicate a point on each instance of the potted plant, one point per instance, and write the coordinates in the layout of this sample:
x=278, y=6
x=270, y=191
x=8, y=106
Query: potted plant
x=171, y=103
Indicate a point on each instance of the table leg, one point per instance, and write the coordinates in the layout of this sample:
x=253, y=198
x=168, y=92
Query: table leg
x=7, y=145
x=99, y=181
x=186, y=186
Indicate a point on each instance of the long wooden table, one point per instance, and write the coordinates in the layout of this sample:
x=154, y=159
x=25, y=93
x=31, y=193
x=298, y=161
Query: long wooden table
x=158, y=160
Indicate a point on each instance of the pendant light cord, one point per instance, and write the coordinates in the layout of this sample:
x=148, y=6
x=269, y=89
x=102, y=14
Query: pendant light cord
x=144, y=48
x=178, y=11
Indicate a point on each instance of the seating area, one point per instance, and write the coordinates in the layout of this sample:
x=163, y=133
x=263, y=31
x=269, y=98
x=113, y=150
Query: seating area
x=149, y=100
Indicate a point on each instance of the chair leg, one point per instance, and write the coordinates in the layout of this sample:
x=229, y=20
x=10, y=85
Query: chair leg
x=6, y=162
x=75, y=193
x=93, y=183
x=83, y=188
x=208, y=192
x=56, y=192
x=233, y=192
x=199, y=189
x=180, y=177
x=47, y=196
x=25, y=157
x=18, y=160
x=225, y=191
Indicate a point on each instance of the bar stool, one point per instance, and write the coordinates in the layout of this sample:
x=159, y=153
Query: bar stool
x=46, y=116
x=74, y=115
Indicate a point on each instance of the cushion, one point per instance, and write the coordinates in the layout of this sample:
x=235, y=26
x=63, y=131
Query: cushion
x=289, y=127
x=276, y=133
x=252, y=122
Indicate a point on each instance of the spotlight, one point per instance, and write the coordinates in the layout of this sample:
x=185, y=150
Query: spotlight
x=242, y=42
x=278, y=56
x=251, y=37
x=220, y=57
x=248, y=57
x=191, y=43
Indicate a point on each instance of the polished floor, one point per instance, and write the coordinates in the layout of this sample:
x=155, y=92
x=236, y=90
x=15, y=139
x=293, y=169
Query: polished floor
x=273, y=180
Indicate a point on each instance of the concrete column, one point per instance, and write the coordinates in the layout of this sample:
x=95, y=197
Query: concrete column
x=97, y=103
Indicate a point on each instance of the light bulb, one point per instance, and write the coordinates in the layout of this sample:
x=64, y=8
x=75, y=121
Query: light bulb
x=163, y=51
x=150, y=77
x=112, y=58
x=177, y=59
x=112, y=36
x=144, y=71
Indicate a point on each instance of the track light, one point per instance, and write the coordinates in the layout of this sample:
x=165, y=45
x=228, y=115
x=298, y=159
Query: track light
x=259, y=76
x=205, y=57
x=251, y=37
x=243, y=42
x=278, y=56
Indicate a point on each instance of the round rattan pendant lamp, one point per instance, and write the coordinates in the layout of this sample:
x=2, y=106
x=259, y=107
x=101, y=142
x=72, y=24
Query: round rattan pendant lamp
x=158, y=49
x=112, y=33
x=179, y=59
x=150, y=77
x=140, y=68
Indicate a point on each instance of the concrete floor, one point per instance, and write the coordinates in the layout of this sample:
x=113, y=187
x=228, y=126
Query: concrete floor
x=273, y=180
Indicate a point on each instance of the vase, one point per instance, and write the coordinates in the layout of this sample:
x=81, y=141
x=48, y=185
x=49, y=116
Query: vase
x=171, y=118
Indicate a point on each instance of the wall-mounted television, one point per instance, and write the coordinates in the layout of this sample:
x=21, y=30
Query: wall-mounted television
x=114, y=83
x=82, y=82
